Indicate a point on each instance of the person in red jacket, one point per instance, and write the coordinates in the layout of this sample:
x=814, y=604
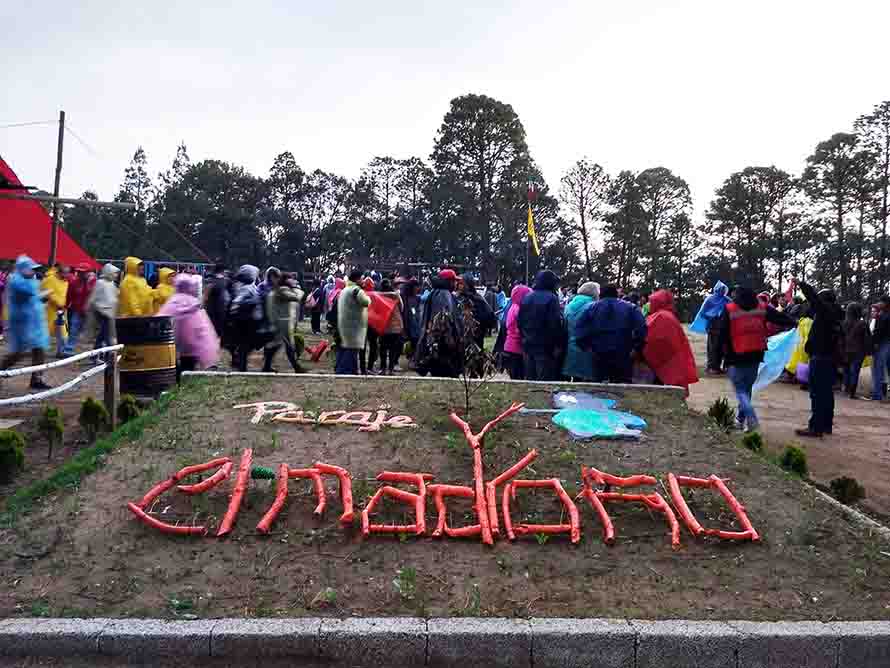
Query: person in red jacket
x=667, y=350
x=743, y=338
x=80, y=287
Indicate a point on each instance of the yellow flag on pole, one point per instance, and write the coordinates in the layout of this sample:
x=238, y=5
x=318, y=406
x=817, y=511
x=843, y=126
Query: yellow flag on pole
x=532, y=237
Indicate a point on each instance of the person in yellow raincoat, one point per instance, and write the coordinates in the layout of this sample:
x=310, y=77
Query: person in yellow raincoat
x=55, y=286
x=165, y=288
x=136, y=296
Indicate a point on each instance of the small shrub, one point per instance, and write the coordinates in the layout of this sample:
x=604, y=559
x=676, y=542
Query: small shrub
x=52, y=427
x=406, y=583
x=12, y=454
x=128, y=408
x=723, y=414
x=847, y=490
x=753, y=441
x=94, y=417
x=795, y=460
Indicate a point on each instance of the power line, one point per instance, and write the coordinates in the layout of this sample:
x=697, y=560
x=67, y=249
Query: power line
x=89, y=149
x=22, y=125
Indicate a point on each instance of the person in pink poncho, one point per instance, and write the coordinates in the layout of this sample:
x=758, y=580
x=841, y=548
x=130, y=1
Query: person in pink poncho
x=513, y=361
x=197, y=344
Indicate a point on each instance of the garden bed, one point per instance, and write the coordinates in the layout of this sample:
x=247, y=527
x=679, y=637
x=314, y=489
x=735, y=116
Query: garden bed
x=81, y=552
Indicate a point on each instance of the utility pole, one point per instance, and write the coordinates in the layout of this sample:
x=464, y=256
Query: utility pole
x=54, y=238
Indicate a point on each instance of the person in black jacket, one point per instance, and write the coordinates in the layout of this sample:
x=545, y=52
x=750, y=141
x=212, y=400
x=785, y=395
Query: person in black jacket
x=483, y=314
x=822, y=347
x=881, y=345
x=543, y=329
x=217, y=299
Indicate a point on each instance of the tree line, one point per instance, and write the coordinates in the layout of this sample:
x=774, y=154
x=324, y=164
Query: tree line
x=465, y=205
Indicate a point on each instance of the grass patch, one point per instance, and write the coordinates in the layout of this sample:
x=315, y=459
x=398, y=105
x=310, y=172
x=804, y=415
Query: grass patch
x=84, y=463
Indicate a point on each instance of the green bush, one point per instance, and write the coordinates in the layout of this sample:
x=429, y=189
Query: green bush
x=795, y=460
x=12, y=454
x=128, y=408
x=847, y=490
x=52, y=427
x=94, y=418
x=753, y=441
x=723, y=414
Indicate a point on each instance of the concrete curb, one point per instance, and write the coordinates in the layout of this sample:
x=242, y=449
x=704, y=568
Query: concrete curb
x=518, y=643
x=616, y=388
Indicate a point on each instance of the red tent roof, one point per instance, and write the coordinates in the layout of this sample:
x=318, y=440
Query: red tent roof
x=25, y=228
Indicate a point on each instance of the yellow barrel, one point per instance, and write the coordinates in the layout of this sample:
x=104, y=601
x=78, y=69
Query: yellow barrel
x=148, y=363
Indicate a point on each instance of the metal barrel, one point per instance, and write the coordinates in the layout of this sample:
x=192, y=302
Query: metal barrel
x=148, y=363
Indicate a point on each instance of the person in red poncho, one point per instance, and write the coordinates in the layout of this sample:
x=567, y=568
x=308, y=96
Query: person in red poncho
x=667, y=349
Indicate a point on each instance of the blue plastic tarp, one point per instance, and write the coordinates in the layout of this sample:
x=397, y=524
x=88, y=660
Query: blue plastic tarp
x=779, y=351
x=587, y=416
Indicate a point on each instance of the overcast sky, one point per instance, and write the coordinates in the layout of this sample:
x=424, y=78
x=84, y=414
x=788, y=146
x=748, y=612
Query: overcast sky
x=701, y=87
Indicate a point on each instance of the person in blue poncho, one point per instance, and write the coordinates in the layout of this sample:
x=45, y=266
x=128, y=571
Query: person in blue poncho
x=27, y=328
x=709, y=321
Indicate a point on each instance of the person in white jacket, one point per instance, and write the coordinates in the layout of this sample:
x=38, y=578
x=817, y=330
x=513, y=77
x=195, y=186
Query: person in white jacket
x=103, y=305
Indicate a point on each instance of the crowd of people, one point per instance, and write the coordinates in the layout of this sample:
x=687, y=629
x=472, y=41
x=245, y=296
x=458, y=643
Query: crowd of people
x=439, y=323
x=834, y=343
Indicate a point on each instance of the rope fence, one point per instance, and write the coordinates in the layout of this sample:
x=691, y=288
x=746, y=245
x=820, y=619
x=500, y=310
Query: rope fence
x=10, y=373
x=109, y=368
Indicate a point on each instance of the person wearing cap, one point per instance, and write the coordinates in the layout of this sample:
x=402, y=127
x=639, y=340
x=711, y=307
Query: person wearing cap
x=27, y=324
x=543, y=329
x=79, y=288
x=438, y=350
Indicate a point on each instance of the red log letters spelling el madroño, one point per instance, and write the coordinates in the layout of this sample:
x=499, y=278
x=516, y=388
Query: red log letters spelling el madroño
x=597, y=489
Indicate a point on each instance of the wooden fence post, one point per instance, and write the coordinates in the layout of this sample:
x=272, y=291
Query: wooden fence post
x=112, y=387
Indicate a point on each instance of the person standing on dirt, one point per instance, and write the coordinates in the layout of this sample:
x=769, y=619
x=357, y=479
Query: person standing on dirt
x=315, y=304
x=857, y=344
x=352, y=324
x=55, y=286
x=218, y=298
x=613, y=329
x=709, y=321
x=103, y=304
x=881, y=346
x=543, y=329
x=79, y=290
x=822, y=346
x=27, y=324
x=483, y=313
x=441, y=329
x=245, y=318
x=743, y=340
x=281, y=308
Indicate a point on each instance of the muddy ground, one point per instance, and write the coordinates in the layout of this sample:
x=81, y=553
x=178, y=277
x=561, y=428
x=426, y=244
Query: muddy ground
x=859, y=446
x=82, y=553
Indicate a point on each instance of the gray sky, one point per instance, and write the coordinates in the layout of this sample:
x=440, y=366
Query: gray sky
x=702, y=87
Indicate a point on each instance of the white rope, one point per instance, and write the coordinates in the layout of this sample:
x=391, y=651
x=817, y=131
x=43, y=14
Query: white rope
x=65, y=362
x=46, y=394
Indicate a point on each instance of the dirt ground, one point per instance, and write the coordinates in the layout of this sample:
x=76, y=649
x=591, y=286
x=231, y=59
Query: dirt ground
x=81, y=553
x=859, y=446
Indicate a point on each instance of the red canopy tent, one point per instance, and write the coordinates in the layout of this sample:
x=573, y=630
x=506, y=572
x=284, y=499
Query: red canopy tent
x=25, y=228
